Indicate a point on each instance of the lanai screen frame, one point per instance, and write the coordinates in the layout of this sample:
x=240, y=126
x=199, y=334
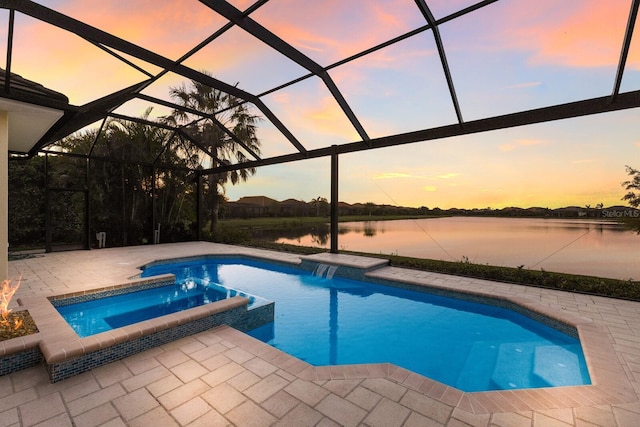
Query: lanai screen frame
x=78, y=117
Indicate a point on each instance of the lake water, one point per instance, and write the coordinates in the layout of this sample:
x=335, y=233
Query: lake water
x=592, y=247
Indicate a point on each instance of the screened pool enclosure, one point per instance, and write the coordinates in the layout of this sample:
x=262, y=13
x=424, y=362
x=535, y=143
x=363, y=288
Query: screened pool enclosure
x=307, y=73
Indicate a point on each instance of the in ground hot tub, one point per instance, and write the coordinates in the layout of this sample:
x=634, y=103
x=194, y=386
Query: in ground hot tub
x=98, y=312
x=66, y=353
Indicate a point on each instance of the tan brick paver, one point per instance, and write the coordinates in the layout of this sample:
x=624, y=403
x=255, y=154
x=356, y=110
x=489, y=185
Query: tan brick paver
x=341, y=410
x=37, y=411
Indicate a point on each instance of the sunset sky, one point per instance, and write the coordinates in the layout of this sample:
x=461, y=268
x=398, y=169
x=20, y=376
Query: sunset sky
x=510, y=56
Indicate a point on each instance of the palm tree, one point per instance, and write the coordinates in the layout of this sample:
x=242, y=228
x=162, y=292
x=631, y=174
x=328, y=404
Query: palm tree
x=321, y=204
x=631, y=185
x=219, y=110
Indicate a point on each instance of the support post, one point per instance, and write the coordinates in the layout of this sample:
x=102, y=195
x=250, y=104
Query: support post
x=124, y=207
x=47, y=207
x=155, y=234
x=4, y=195
x=199, y=206
x=87, y=206
x=334, y=200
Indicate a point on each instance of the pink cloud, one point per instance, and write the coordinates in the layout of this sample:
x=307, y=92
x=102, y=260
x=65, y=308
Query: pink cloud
x=586, y=33
x=168, y=27
x=310, y=115
x=441, y=8
x=67, y=63
x=241, y=4
x=334, y=29
x=524, y=85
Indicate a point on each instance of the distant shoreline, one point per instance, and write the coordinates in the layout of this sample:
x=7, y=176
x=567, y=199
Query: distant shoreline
x=261, y=206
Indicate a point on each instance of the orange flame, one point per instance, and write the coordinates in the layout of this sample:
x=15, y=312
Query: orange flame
x=6, y=293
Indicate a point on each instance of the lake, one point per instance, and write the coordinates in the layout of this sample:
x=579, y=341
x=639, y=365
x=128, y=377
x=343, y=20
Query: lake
x=593, y=247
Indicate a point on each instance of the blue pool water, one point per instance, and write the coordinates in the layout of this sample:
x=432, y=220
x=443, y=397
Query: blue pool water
x=103, y=314
x=470, y=346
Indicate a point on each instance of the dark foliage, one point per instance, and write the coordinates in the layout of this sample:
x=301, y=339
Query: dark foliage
x=26, y=202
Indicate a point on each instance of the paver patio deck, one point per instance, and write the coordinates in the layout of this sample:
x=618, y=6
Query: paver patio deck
x=224, y=377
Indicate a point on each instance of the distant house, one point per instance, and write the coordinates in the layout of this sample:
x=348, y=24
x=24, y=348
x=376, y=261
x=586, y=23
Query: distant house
x=513, y=211
x=261, y=206
x=538, y=211
x=258, y=201
x=569, y=212
x=347, y=209
x=251, y=207
x=293, y=207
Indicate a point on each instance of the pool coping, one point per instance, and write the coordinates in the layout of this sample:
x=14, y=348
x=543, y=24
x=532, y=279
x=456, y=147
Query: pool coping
x=609, y=385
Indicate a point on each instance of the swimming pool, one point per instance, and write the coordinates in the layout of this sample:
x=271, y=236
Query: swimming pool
x=467, y=345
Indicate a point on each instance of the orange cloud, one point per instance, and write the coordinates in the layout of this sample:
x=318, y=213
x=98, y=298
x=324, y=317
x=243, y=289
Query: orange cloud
x=521, y=143
x=327, y=118
x=448, y=175
x=529, y=142
x=169, y=27
x=305, y=114
x=326, y=111
x=587, y=33
x=393, y=175
x=67, y=63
